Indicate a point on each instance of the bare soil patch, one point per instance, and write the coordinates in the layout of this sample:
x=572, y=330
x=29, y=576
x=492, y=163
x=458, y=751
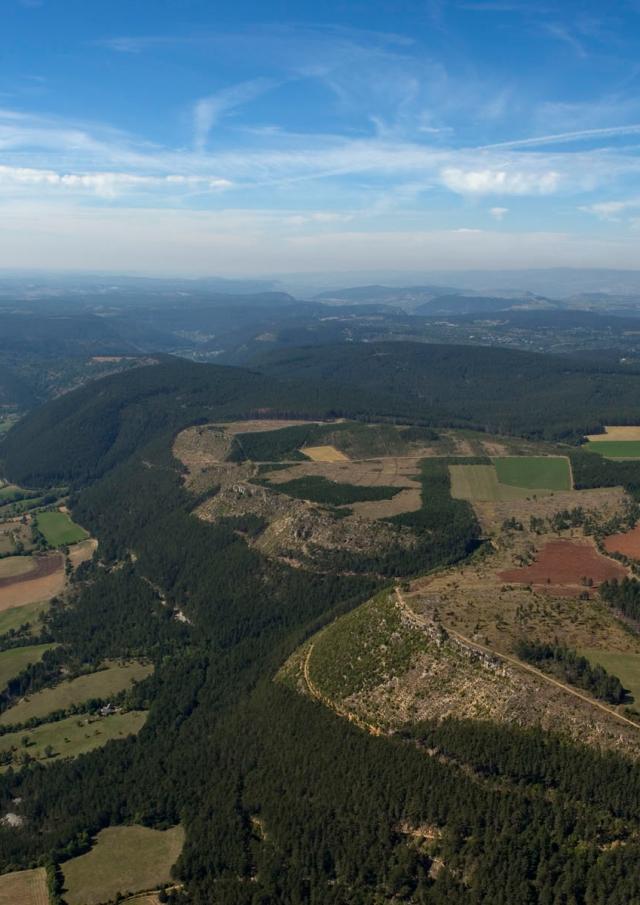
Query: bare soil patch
x=627, y=543
x=563, y=567
x=46, y=580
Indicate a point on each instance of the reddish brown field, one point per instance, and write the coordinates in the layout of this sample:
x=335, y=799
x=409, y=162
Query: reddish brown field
x=562, y=566
x=41, y=583
x=628, y=544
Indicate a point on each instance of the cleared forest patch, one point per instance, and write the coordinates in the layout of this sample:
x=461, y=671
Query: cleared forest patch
x=124, y=859
x=24, y=887
x=324, y=454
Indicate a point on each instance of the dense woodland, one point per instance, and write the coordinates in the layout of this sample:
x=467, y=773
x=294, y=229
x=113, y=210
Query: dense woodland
x=520, y=817
x=569, y=666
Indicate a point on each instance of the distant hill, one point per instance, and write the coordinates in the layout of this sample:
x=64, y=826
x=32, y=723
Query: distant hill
x=480, y=304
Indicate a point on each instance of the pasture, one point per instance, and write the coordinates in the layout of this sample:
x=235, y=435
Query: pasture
x=24, y=887
x=124, y=859
x=615, y=449
x=626, y=666
x=534, y=472
x=102, y=684
x=13, y=661
x=72, y=736
x=16, y=616
x=59, y=530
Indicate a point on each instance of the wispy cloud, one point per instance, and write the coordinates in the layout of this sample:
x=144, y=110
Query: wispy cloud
x=611, y=210
x=208, y=110
x=567, y=137
x=562, y=33
x=498, y=213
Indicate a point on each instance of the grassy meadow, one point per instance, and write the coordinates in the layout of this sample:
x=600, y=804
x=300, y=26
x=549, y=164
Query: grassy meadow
x=123, y=859
x=12, y=662
x=101, y=684
x=615, y=449
x=58, y=529
x=72, y=736
x=534, y=472
x=16, y=616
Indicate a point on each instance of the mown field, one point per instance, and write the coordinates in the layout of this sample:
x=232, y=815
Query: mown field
x=626, y=666
x=58, y=529
x=15, y=565
x=24, y=887
x=14, y=661
x=101, y=684
x=72, y=736
x=480, y=483
x=534, y=472
x=615, y=449
x=124, y=859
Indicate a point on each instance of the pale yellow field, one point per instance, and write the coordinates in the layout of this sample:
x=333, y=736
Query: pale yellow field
x=324, y=454
x=15, y=565
x=24, y=887
x=623, y=432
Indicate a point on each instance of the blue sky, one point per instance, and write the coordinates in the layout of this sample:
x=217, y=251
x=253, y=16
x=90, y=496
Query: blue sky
x=179, y=136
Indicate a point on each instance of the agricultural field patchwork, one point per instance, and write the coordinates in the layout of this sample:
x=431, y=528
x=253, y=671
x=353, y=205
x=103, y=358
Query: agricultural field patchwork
x=59, y=530
x=13, y=661
x=13, y=566
x=24, y=887
x=617, y=432
x=480, y=483
x=101, y=684
x=70, y=737
x=124, y=859
x=626, y=543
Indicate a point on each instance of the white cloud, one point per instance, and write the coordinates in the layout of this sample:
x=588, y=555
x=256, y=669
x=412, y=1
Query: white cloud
x=498, y=213
x=499, y=182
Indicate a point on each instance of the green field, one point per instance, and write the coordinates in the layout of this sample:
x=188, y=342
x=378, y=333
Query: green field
x=102, y=684
x=534, y=472
x=72, y=736
x=625, y=666
x=480, y=483
x=124, y=859
x=19, y=615
x=12, y=662
x=615, y=449
x=58, y=529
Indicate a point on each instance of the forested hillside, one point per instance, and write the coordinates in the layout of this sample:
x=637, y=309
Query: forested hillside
x=501, y=391
x=282, y=801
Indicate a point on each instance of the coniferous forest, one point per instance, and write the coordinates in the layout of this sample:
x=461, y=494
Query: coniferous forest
x=521, y=817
